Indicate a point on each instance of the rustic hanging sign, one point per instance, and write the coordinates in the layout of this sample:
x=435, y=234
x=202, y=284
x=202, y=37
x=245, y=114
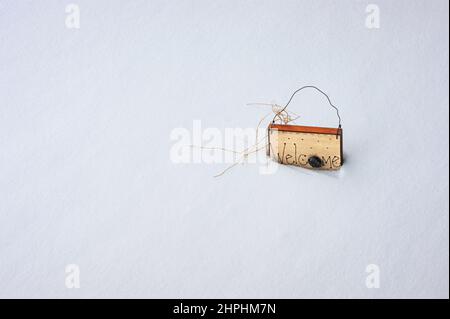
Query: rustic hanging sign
x=306, y=146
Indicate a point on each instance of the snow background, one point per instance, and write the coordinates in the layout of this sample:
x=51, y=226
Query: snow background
x=86, y=177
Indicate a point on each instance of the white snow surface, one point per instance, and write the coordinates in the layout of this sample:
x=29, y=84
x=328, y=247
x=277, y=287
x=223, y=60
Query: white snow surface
x=86, y=176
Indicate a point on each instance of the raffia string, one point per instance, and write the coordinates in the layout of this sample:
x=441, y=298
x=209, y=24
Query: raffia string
x=281, y=116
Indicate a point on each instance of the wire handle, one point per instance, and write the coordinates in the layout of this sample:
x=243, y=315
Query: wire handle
x=308, y=87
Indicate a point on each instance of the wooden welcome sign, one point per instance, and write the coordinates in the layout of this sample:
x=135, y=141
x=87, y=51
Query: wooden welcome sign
x=306, y=146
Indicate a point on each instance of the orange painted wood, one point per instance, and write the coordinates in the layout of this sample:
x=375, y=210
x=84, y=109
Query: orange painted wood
x=306, y=129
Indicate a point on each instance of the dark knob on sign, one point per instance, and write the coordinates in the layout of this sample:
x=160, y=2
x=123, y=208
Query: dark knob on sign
x=315, y=162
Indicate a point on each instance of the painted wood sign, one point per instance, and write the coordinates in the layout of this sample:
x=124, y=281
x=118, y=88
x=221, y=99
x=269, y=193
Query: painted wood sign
x=306, y=146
